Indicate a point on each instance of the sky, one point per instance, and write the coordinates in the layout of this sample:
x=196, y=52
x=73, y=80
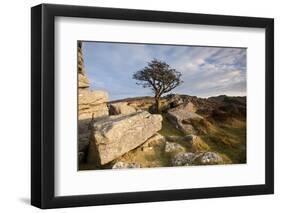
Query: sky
x=206, y=71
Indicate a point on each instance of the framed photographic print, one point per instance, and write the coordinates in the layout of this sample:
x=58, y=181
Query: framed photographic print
x=140, y=106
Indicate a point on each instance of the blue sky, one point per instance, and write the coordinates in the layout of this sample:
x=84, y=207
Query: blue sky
x=206, y=71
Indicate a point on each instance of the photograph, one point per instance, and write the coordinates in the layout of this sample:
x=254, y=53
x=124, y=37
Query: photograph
x=141, y=105
x=160, y=105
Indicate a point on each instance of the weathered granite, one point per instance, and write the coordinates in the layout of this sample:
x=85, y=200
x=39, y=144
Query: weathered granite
x=115, y=135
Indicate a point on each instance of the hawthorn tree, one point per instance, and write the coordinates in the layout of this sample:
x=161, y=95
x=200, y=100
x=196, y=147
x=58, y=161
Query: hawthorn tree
x=158, y=76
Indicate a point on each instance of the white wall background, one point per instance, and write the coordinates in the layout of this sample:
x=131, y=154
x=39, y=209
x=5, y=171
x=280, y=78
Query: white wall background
x=15, y=105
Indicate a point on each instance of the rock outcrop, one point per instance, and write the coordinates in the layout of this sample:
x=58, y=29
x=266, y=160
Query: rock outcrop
x=189, y=107
x=91, y=105
x=121, y=108
x=209, y=158
x=183, y=159
x=173, y=147
x=115, y=135
x=83, y=81
x=152, y=142
x=171, y=101
x=201, y=158
x=183, y=117
x=124, y=165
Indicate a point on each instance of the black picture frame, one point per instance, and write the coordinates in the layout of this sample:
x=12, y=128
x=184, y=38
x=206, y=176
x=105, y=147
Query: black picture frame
x=43, y=102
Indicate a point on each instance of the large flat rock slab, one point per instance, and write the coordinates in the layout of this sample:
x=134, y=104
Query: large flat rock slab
x=114, y=136
x=91, y=105
x=183, y=118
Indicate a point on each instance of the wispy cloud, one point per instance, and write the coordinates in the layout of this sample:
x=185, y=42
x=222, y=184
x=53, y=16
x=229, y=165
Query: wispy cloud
x=206, y=71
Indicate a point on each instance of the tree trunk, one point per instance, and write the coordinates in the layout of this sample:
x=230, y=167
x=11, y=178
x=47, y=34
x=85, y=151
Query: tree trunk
x=157, y=104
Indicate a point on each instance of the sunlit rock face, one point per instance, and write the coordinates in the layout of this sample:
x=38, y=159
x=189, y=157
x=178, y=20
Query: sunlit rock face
x=116, y=135
x=91, y=105
x=121, y=108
